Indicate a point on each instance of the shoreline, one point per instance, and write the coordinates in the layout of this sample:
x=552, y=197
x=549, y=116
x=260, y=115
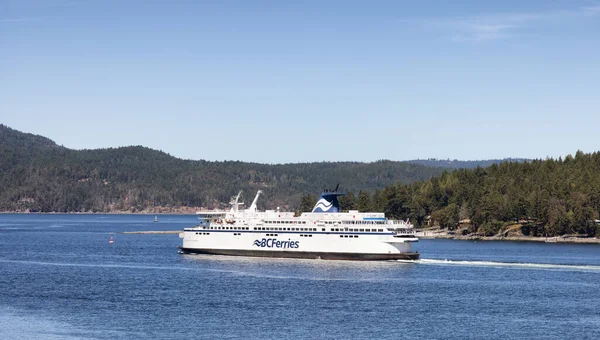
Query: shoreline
x=555, y=239
x=100, y=213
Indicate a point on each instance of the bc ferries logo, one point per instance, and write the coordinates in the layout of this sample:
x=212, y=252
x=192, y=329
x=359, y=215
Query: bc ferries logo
x=275, y=243
x=323, y=205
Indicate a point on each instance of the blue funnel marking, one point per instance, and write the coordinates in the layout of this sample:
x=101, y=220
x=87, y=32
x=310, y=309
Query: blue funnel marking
x=328, y=203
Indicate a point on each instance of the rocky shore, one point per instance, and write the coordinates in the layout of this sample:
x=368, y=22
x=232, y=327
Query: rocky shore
x=444, y=234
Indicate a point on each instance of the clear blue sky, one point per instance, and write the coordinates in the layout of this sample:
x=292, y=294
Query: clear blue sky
x=297, y=81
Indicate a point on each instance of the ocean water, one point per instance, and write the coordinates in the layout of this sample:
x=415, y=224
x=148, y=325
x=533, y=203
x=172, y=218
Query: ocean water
x=61, y=279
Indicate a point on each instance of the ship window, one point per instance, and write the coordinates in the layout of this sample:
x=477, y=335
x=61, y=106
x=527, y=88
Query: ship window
x=323, y=229
x=368, y=230
x=361, y=230
x=380, y=230
x=341, y=235
x=355, y=235
x=310, y=235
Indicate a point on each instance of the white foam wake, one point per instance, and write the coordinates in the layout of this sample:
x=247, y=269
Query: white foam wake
x=574, y=267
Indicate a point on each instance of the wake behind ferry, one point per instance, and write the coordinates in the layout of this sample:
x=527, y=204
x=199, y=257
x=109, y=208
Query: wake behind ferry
x=325, y=233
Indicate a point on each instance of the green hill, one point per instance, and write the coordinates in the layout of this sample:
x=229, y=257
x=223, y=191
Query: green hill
x=38, y=175
x=549, y=197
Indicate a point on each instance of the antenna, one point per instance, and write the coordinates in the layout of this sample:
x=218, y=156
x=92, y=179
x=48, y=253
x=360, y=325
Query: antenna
x=234, y=203
x=253, y=206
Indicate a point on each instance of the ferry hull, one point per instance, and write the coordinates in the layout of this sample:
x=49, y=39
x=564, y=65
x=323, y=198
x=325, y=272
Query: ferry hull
x=303, y=254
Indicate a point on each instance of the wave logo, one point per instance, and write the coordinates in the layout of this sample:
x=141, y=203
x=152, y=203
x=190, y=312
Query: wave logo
x=323, y=205
x=275, y=243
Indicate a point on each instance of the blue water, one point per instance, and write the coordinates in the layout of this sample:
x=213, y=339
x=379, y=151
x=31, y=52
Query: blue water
x=61, y=279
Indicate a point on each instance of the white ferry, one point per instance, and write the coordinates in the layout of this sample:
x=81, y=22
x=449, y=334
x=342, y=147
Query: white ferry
x=325, y=233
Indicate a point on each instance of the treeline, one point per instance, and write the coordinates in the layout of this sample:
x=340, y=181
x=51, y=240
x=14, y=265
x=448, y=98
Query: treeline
x=457, y=164
x=549, y=197
x=37, y=175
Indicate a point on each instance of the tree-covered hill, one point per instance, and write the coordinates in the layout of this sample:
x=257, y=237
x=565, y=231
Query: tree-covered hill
x=38, y=175
x=548, y=197
x=458, y=164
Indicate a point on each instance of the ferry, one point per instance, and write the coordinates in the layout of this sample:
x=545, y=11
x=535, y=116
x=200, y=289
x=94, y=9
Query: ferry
x=326, y=233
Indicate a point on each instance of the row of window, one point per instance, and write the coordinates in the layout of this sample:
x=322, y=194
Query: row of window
x=358, y=230
x=363, y=222
x=228, y=228
x=300, y=229
x=309, y=235
x=202, y=233
x=345, y=236
x=285, y=229
x=285, y=222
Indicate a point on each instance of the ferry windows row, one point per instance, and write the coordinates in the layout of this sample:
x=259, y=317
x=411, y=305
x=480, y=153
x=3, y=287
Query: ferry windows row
x=351, y=236
x=285, y=222
x=202, y=233
x=360, y=230
x=229, y=228
x=285, y=229
x=363, y=222
x=272, y=235
x=309, y=235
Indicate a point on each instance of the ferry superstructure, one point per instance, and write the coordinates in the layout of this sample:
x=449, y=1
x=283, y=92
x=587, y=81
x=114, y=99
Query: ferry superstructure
x=325, y=233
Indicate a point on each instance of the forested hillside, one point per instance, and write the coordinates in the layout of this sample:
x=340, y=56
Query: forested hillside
x=38, y=175
x=550, y=197
x=457, y=164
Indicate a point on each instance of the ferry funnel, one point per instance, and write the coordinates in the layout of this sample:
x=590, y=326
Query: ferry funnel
x=328, y=202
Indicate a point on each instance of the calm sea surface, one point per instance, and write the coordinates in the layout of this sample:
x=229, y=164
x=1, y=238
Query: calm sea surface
x=61, y=279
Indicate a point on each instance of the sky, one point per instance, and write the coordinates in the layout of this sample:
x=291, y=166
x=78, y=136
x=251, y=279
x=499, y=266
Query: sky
x=306, y=81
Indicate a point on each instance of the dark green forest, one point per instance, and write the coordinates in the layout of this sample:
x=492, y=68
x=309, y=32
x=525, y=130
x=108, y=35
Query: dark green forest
x=457, y=164
x=37, y=175
x=547, y=197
